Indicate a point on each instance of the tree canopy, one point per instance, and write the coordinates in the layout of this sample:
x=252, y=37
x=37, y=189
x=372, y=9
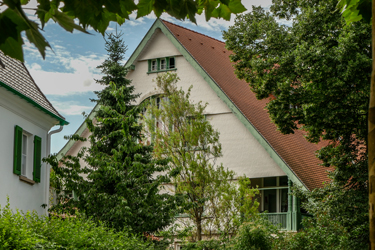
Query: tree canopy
x=316, y=75
x=96, y=14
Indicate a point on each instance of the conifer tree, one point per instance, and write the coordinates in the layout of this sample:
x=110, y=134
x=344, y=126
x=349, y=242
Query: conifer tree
x=119, y=183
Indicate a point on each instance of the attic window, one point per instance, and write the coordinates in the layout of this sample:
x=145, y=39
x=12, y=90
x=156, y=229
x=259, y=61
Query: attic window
x=161, y=64
x=154, y=65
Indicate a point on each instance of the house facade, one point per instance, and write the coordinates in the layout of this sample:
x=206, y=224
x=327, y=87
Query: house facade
x=26, y=117
x=251, y=144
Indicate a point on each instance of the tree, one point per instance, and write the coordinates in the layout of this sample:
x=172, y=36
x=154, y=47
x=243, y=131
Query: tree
x=357, y=10
x=181, y=132
x=118, y=182
x=96, y=14
x=318, y=72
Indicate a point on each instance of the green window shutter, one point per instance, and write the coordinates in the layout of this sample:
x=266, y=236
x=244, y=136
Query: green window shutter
x=17, y=150
x=158, y=61
x=167, y=60
x=37, y=158
x=149, y=65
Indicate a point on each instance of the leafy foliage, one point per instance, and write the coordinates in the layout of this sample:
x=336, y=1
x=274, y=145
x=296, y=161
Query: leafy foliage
x=96, y=14
x=318, y=72
x=118, y=182
x=30, y=231
x=180, y=131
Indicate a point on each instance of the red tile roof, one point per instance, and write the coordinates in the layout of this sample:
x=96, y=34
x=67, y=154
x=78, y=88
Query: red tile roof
x=16, y=76
x=293, y=149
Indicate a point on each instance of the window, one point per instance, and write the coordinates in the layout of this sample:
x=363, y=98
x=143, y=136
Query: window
x=171, y=63
x=154, y=65
x=273, y=194
x=27, y=155
x=161, y=64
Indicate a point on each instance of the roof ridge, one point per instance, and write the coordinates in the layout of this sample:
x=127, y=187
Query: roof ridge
x=192, y=30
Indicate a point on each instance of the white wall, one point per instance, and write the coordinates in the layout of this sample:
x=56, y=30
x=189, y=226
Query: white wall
x=16, y=111
x=241, y=151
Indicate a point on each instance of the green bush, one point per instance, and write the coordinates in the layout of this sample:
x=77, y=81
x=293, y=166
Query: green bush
x=30, y=231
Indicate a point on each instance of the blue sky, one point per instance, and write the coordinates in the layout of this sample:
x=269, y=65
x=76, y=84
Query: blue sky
x=67, y=74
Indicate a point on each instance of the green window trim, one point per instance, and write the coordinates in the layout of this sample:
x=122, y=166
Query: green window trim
x=18, y=132
x=158, y=70
x=37, y=158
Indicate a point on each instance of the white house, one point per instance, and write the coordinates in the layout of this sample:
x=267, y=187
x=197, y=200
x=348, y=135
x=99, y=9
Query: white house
x=26, y=116
x=251, y=144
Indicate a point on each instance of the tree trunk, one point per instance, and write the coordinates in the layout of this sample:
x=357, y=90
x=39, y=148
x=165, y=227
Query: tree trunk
x=371, y=140
x=199, y=229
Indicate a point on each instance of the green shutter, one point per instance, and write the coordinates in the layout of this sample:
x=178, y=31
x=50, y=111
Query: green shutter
x=167, y=61
x=17, y=150
x=158, y=61
x=149, y=65
x=37, y=158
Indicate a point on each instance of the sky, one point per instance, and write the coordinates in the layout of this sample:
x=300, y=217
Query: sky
x=67, y=75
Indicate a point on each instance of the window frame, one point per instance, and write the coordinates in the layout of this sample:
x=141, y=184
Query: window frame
x=160, y=65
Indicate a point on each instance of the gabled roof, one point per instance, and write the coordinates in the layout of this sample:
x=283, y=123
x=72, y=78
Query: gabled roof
x=293, y=149
x=208, y=56
x=16, y=78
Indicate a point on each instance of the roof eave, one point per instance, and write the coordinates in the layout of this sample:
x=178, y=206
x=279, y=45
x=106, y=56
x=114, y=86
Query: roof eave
x=62, y=122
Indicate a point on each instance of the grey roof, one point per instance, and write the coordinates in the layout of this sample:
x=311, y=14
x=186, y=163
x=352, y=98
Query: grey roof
x=17, y=77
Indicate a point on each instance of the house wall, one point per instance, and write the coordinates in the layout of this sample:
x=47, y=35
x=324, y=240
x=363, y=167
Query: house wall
x=16, y=111
x=241, y=151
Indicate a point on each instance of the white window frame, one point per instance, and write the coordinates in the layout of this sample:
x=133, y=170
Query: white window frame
x=27, y=155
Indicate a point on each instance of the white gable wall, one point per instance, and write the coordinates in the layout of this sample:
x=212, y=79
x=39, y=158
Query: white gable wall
x=241, y=151
x=16, y=111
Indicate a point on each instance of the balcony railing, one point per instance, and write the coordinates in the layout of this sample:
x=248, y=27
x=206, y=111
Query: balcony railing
x=278, y=219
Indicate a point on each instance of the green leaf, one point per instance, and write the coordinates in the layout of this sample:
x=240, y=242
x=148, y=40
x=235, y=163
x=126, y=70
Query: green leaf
x=67, y=22
x=13, y=48
x=144, y=7
x=222, y=12
x=44, y=7
x=11, y=25
x=37, y=39
x=236, y=7
x=24, y=2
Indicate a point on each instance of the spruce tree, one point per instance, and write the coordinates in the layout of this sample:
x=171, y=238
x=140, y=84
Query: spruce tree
x=121, y=184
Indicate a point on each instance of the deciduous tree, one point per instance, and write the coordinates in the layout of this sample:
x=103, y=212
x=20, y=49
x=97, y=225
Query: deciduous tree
x=180, y=131
x=318, y=71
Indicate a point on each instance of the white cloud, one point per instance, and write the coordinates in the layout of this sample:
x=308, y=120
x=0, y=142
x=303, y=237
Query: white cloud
x=69, y=108
x=76, y=73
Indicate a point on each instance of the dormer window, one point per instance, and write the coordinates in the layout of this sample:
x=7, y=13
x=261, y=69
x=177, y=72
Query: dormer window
x=154, y=65
x=161, y=64
x=171, y=63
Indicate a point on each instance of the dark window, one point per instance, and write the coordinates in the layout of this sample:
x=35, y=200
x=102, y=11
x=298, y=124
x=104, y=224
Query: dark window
x=270, y=182
x=171, y=63
x=283, y=181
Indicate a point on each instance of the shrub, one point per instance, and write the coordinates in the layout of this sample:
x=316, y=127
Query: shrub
x=30, y=231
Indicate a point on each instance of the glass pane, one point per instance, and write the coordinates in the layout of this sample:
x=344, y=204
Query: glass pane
x=283, y=181
x=23, y=165
x=163, y=64
x=270, y=200
x=256, y=182
x=24, y=144
x=284, y=200
x=270, y=182
x=153, y=65
x=171, y=63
